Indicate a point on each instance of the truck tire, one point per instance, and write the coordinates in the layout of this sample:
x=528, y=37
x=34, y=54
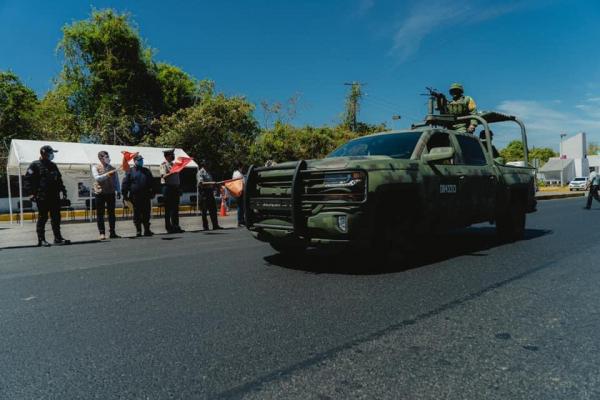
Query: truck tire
x=510, y=224
x=291, y=249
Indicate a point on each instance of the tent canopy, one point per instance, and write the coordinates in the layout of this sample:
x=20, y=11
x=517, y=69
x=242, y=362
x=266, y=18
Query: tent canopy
x=73, y=155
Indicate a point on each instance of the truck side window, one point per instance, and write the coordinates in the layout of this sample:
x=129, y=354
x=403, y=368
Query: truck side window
x=440, y=139
x=471, y=150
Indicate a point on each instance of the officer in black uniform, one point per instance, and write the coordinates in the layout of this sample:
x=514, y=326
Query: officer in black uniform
x=206, y=187
x=137, y=187
x=44, y=182
x=171, y=191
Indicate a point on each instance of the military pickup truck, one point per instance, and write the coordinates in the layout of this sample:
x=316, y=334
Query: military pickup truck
x=382, y=189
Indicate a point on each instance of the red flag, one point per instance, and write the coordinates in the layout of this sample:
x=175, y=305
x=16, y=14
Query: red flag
x=127, y=156
x=180, y=164
x=235, y=186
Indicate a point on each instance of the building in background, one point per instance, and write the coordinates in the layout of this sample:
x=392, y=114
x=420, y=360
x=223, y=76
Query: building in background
x=573, y=162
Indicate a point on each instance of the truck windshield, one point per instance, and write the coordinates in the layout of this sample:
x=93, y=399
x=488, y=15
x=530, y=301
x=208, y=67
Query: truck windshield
x=396, y=145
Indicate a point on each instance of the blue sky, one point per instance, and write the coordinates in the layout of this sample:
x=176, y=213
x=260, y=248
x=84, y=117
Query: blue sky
x=539, y=59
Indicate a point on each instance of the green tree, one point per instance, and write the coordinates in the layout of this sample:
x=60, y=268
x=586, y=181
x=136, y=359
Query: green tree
x=179, y=90
x=514, y=152
x=56, y=119
x=285, y=142
x=542, y=153
x=218, y=128
x=593, y=148
x=18, y=105
x=112, y=80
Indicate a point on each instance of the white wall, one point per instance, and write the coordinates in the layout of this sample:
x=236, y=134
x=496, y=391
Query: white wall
x=575, y=147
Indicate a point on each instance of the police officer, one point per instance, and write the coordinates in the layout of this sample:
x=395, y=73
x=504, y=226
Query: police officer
x=461, y=106
x=44, y=182
x=137, y=188
x=208, y=203
x=171, y=192
x=106, y=185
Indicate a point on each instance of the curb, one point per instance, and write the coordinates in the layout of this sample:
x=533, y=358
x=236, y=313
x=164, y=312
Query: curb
x=560, y=196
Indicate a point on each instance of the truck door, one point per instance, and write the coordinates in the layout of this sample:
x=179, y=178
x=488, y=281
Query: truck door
x=481, y=183
x=443, y=183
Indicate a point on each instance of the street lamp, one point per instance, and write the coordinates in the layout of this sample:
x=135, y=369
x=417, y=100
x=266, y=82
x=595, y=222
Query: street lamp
x=562, y=163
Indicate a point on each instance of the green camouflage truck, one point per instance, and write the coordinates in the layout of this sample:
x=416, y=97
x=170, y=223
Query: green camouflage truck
x=383, y=189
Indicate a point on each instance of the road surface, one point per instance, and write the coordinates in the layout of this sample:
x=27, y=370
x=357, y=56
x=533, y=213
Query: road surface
x=220, y=315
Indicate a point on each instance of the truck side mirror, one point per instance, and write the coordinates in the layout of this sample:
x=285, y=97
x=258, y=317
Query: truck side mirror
x=438, y=154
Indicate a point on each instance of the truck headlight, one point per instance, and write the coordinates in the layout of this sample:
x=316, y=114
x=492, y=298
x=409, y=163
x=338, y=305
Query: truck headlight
x=345, y=179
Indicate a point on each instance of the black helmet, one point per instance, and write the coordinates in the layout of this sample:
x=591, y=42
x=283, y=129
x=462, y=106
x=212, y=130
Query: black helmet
x=47, y=150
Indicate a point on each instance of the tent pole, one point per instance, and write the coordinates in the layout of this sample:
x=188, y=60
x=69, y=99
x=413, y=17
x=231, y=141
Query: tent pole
x=21, y=193
x=10, y=210
x=197, y=192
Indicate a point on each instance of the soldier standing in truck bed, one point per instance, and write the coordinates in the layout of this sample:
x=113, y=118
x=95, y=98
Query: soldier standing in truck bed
x=461, y=106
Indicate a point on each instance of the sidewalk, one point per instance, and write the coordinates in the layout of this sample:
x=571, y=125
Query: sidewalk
x=16, y=235
x=558, y=195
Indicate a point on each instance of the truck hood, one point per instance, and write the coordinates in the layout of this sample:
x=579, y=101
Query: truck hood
x=362, y=162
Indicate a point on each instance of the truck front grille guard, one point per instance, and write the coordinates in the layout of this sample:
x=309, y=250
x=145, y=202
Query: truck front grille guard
x=297, y=200
x=296, y=195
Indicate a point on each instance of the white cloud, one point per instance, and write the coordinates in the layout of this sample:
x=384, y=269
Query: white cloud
x=424, y=18
x=545, y=122
x=364, y=6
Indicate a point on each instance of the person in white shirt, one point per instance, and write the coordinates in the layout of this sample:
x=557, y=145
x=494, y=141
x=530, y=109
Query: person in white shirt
x=594, y=183
x=106, y=185
x=239, y=173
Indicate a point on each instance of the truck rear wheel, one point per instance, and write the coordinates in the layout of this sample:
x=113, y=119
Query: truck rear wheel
x=510, y=224
x=292, y=249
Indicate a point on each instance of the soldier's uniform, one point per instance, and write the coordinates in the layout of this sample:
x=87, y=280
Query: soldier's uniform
x=137, y=186
x=461, y=106
x=207, y=199
x=44, y=182
x=171, y=192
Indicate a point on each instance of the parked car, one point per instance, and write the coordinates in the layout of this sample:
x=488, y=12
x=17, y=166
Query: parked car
x=579, y=183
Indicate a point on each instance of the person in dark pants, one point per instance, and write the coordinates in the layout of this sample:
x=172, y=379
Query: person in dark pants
x=171, y=192
x=137, y=188
x=594, y=180
x=44, y=182
x=106, y=185
x=239, y=174
x=208, y=204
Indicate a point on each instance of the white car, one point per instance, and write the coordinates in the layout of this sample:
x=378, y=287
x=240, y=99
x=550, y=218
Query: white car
x=579, y=183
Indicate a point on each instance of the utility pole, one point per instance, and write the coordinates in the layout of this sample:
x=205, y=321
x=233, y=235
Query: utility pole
x=352, y=103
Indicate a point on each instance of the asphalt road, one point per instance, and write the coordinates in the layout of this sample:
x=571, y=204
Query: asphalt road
x=220, y=315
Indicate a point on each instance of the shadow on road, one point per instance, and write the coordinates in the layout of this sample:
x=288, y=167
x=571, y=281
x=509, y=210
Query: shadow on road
x=32, y=246
x=470, y=241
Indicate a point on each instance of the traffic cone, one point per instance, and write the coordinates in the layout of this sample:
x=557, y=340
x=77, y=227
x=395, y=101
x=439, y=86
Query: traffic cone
x=223, y=212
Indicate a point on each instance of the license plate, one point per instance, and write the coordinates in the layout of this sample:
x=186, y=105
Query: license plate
x=271, y=204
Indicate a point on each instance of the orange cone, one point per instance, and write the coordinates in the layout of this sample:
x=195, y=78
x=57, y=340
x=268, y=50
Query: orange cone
x=223, y=212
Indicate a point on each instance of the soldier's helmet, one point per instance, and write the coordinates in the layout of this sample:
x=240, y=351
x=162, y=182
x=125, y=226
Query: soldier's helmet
x=456, y=87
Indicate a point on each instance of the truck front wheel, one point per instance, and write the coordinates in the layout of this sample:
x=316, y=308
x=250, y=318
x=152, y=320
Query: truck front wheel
x=510, y=224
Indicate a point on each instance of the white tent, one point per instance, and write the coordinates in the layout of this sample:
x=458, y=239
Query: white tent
x=76, y=158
